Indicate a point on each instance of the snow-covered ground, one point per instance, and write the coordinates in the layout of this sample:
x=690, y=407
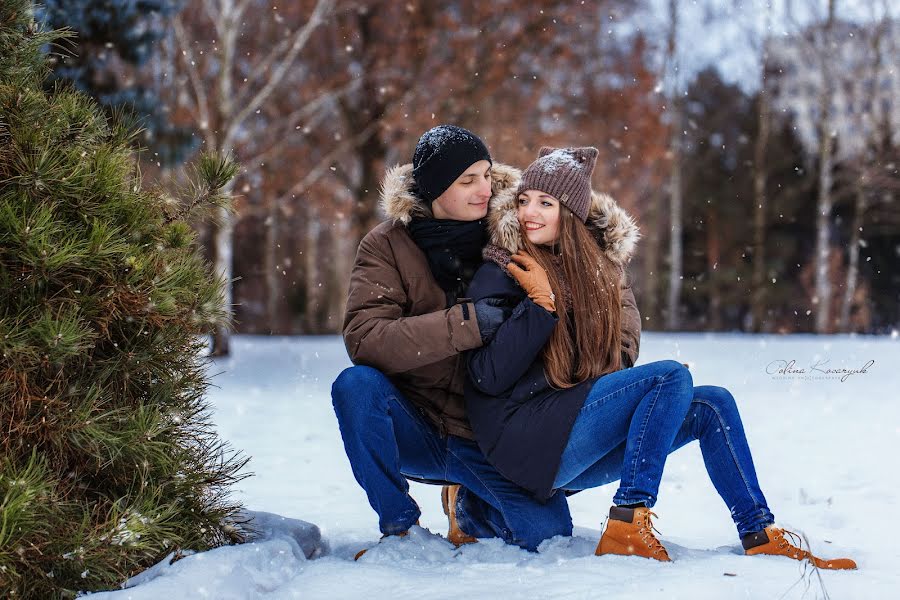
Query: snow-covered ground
x=824, y=451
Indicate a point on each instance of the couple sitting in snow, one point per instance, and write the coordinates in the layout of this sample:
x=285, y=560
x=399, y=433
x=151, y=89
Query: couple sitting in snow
x=495, y=340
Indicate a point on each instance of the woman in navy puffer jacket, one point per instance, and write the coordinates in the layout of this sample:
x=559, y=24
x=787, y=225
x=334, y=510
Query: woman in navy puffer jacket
x=554, y=398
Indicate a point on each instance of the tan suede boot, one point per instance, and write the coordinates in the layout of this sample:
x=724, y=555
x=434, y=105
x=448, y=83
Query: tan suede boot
x=455, y=535
x=772, y=540
x=629, y=532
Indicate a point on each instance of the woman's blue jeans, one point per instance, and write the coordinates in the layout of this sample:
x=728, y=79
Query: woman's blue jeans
x=634, y=418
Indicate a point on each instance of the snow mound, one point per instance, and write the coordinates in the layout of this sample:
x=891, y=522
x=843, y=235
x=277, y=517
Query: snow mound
x=269, y=562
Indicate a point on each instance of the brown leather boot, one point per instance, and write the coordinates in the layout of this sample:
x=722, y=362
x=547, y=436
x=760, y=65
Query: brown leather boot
x=772, y=540
x=629, y=532
x=455, y=535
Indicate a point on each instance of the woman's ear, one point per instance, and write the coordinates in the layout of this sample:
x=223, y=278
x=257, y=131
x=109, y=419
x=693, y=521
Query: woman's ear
x=587, y=156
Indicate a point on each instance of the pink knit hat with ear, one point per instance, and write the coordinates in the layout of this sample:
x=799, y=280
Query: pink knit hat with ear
x=565, y=174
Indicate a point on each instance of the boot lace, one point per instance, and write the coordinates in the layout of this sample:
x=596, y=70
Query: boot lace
x=646, y=531
x=794, y=544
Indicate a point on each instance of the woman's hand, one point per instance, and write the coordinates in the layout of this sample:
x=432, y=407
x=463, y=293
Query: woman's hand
x=533, y=279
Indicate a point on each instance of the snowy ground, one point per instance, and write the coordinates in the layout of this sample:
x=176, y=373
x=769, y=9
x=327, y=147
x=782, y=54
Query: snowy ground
x=824, y=451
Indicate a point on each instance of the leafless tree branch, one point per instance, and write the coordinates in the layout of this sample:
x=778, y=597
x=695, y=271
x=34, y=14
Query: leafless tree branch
x=318, y=171
x=187, y=58
x=299, y=41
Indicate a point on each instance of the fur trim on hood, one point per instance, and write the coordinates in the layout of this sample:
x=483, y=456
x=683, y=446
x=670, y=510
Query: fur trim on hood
x=399, y=204
x=614, y=229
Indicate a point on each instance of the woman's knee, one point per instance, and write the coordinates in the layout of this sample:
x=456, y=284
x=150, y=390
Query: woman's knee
x=675, y=369
x=675, y=372
x=713, y=409
x=716, y=397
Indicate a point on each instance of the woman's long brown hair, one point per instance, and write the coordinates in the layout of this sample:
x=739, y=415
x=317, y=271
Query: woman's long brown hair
x=587, y=341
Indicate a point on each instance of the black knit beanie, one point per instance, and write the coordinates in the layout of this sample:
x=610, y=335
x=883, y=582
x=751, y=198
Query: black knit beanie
x=443, y=154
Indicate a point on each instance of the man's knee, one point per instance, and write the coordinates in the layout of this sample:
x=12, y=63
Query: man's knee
x=356, y=389
x=542, y=523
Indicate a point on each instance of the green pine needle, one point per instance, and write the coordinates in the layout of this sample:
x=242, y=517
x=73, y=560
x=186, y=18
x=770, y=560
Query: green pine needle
x=109, y=459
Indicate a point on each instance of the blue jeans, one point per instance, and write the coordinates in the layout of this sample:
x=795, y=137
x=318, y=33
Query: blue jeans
x=634, y=418
x=388, y=441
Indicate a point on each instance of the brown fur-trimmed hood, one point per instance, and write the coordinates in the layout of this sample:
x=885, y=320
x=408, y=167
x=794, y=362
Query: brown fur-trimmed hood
x=614, y=229
x=399, y=204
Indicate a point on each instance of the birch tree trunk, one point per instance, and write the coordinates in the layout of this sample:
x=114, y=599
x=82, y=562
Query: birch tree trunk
x=713, y=257
x=861, y=205
x=223, y=114
x=824, y=203
x=650, y=286
x=675, y=186
x=274, y=269
x=222, y=241
x=859, y=210
x=760, y=177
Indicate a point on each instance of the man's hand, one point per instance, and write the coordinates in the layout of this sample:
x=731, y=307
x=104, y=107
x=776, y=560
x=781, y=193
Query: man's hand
x=490, y=312
x=533, y=279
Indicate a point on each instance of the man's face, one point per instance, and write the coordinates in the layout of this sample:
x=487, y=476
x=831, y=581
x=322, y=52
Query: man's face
x=467, y=198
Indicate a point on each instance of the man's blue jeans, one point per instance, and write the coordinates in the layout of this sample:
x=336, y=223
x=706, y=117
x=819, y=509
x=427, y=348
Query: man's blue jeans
x=634, y=418
x=387, y=440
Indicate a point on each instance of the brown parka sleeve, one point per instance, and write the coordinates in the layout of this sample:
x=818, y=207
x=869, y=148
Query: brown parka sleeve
x=376, y=332
x=631, y=324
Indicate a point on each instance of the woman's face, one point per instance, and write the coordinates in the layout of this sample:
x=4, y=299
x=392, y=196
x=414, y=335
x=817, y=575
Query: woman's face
x=467, y=198
x=539, y=216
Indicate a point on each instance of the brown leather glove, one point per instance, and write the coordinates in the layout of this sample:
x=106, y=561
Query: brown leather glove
x=533, y=279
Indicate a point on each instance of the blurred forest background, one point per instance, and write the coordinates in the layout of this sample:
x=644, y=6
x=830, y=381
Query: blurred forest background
x=757, y=144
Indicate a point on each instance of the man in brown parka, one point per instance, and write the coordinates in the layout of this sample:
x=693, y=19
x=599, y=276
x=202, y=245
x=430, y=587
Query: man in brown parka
x=400, y=408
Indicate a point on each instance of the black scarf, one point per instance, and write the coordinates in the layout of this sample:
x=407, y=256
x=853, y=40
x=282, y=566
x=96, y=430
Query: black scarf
x=453, y=249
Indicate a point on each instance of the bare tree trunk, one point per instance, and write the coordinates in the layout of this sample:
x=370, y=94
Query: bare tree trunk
x=675, y=186
x=362, y=113
x=365, y=214
x=223, y=226
x=650, y=295
x=860, y=206
x=673, y=305
x=222, y=240
x=296, y=302
x=713, y=256
x=333, y=296
x=275, y=270
x=760, y=176
x=824, y=204
x=345, y=249
x=859, y=211
x=313, y=272
x=222, y=117
x=322, y=306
